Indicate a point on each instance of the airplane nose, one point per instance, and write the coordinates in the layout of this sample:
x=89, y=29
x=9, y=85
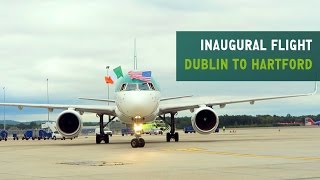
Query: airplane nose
x=140, y=105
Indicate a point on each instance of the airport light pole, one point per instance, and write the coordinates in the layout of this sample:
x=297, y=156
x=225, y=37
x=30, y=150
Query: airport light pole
x=4, y=108
x=48, y=96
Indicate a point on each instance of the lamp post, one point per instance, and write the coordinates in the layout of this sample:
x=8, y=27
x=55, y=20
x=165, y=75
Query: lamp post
x=4, y=108
x=48, y=96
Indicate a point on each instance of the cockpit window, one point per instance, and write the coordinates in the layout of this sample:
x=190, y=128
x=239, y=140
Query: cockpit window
x=143, y=87
x=131, y=87
x=137, y=87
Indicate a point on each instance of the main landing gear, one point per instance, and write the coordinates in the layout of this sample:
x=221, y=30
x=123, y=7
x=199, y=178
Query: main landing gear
x=172, y=134
x=102, y=137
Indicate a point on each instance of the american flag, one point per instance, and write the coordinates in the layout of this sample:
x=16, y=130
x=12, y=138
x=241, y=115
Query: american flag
x=140, y=75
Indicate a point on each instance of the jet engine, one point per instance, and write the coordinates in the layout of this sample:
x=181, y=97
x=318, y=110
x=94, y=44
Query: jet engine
x=204, y=120
x=69, y=123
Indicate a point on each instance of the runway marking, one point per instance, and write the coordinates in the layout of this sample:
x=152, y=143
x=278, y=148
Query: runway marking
x=93, y=163
x=192, y=149
x=235, y=154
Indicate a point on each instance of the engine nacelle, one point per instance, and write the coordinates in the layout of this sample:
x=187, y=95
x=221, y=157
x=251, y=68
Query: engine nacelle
x=204, y=120
x=69, y=123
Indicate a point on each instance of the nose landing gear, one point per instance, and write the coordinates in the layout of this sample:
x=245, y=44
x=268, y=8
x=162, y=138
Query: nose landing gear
x=137, y=142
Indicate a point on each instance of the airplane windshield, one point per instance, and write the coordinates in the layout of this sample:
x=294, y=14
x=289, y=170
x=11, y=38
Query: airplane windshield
x=131, y=87
x=143, y=87
x=137, y=87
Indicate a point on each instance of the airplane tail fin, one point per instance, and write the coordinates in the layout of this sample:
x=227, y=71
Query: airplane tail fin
x=309, y=121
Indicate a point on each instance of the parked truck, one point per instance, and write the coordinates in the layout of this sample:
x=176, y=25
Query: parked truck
x=42, y=134
x=126, y=131
x=189, y=129
x=36, y=134
x=3, y=135
x=28, y=134
x=15, y=136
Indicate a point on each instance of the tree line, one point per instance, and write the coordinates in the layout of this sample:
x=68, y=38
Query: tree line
x=252, y=121
x=224, y=120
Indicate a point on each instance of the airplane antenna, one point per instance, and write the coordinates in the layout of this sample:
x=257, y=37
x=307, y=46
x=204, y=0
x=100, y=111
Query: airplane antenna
x=135, y=60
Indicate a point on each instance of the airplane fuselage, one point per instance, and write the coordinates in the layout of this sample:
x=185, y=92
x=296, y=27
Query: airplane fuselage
x=137, y=106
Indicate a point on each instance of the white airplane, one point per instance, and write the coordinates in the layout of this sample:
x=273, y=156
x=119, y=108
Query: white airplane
x=137, y=102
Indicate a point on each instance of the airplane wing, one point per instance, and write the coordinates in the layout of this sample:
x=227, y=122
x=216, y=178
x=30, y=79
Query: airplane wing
x=176, y=97
x=96, y=99
x=172, y=108
x=108, y=110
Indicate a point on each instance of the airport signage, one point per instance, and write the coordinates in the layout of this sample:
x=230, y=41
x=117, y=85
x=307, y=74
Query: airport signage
x=247, y=55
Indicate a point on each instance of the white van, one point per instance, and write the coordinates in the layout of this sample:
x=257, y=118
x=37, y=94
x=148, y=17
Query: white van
x=56, y=135
x=106, y=131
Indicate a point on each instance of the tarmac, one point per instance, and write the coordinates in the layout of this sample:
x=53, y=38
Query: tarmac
x=253, y=153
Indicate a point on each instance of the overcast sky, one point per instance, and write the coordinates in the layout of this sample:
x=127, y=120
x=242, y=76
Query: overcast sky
x=71, y=42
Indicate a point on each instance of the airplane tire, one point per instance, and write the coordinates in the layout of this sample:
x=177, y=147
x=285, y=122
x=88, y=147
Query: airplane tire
x=106, y=139
x=176, y=137
x=134, y=143
x=141, y=142
x=98, y=139
x=168, y=137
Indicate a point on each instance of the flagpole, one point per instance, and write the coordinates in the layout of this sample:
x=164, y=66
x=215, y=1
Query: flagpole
x=108, y=83
x=107, y=67
x=135, y=61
